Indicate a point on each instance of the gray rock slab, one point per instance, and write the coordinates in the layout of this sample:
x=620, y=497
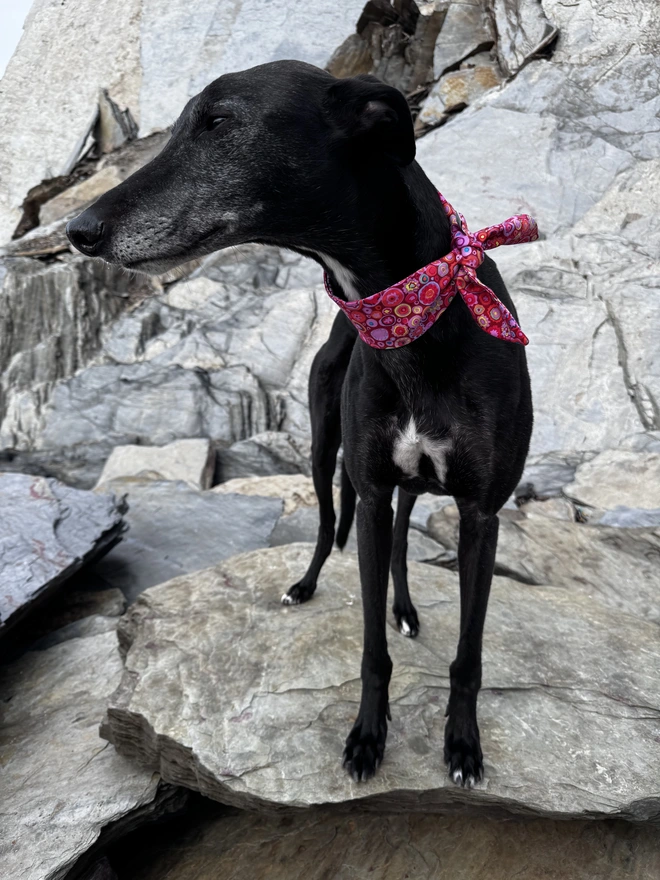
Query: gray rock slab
x=175, y=529
x=617, y=567
x=618, y=477
x=49, y=531
x=192, y=461
x=264, y=454
x=630, y=518
x=62, y=787
x=230, y=693
x=467, y=26
x=522, y=31
x=324, y=843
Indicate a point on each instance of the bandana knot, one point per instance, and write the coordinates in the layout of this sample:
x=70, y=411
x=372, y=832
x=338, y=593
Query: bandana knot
x=402, y=313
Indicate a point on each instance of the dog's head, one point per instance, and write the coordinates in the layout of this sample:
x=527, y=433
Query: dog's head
x=275, y=154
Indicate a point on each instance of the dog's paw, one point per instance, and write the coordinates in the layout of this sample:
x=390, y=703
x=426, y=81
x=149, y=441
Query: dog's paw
x=463, y=756
x=364, y=751
x=407, y=621
x=298, y=594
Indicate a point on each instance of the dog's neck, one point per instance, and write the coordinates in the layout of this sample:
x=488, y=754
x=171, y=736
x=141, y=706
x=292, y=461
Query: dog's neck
x=399, y=227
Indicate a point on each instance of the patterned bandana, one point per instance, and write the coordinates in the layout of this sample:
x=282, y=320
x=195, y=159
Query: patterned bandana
x=401, y=313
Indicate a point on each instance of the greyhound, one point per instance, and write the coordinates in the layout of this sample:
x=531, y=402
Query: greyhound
x=286, y=154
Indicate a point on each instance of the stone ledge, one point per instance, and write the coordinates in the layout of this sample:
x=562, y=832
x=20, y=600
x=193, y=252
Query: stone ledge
x=229, y=693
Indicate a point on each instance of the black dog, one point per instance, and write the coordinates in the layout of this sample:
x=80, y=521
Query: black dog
x=285, y=154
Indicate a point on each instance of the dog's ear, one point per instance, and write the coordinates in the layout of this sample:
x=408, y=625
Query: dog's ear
x=373, y=115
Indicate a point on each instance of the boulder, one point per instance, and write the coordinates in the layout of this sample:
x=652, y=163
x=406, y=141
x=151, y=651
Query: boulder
x=618, y=478
x=62, y=787
x=232, y=694
x=295, y=490
x=175, y=529
x=619, y=568
x=49, y=531
x=191, y=461
x=522, y=31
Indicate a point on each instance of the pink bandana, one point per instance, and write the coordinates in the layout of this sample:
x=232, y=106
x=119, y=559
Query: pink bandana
x=401, y=313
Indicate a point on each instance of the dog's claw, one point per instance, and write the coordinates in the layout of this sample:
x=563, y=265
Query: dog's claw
x=297, y=594
x=407, y=622
x=363, y=753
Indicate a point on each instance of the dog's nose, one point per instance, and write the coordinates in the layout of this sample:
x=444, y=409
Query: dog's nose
x=85, y=232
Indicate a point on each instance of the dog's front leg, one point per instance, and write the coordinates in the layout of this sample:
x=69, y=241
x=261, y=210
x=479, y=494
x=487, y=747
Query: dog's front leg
x=477, y=544
x=366, y=742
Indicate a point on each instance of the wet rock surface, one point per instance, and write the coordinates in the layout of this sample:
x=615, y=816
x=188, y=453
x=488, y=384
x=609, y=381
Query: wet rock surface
x=48, y=532
x=62, y=786
x=570, y=688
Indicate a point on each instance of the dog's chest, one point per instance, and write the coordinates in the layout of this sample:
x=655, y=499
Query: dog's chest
x=410, y=445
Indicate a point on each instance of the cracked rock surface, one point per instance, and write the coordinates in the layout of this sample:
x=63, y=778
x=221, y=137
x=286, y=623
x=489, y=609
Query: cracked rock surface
x=62, y=786
x=49, y=531
x=230, y=693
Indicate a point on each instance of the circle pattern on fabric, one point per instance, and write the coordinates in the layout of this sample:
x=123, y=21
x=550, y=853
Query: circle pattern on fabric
x=403, y=312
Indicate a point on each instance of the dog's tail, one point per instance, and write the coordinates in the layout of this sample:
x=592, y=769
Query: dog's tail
x=347, y=508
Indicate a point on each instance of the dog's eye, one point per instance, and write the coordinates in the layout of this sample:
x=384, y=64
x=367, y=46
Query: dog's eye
x=214, y=122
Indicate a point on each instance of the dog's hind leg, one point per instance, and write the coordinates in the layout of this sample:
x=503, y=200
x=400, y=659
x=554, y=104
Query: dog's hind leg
x=477, y=544
x=325, y=383
x=403, y=608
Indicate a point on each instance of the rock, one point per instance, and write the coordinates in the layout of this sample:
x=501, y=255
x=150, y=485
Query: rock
x=74, y=199
x=175, y=529
x=61, y=785
x=454, y=91
x=617, y=567
x=51, y=319
x=546, y=475
x=570, y=688
x=270, y=452
x=114, y=127
x=394, y=42
x=295, y=490
x=554, y=508
x=629, y=518
x=388, y=846
x=466, y=30
x=191, y=461
x=222, y=345
x=522, y=31
x=617, y=477
x=49, y=531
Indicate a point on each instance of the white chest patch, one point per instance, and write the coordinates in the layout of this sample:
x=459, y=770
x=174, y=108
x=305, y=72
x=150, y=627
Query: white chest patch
x=410, y=445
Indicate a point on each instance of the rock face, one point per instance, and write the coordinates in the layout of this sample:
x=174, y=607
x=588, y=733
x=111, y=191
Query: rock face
x=191, y=461
x=175, y=529
x=253, y=719
x=48, y=532
x=149, y=56
x=61, y=785
x=564, y=142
